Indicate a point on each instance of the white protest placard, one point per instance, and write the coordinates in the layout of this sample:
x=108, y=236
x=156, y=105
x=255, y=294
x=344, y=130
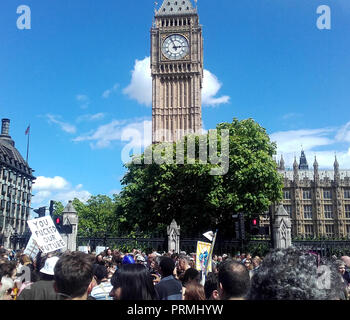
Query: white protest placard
x=99, y=250
x=83, y=249
x=31, y=249
x=45, y=234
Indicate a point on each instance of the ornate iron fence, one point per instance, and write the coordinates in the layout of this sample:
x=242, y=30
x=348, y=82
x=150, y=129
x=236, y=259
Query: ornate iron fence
x=325, y=248
x=126, y=244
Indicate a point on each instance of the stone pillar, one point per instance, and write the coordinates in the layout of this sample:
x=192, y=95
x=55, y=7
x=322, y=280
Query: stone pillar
x=173, y=232
x=8, y=232
x=282, y=229
x=70, y=217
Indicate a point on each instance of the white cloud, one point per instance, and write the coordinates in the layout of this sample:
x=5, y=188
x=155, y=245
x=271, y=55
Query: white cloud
x=138, y=132
x=83, y=100
x=90, y=117
x=294, y=140
x=58, y=189
x=324, y=143
x=344, y=133
x=66, y=127
x=211, y=87
x=140, y=87
x=108, y=92
x=46, y=183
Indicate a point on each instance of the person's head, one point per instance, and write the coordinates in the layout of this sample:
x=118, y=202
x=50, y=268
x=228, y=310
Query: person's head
x=24, y=259
x=8, y=269
x=128, y=259
x=166, y=266
x=108, y=252
x=211, y=287
x=248, y=264
x=3, y=253
x=256, y=261
x=6, y=287
x=99, y=259
x=132, y=282
x=194, y=291
x=140, y=259
x=73, y=275
x=346, y=260
x=215, y=257
x=290, y=274
x=191, y=275
x=234, y=280
x=184, y=262
x=340, y=264
x=100, y=273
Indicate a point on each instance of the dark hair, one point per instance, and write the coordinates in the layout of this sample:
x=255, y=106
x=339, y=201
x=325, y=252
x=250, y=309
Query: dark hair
x=102, y=262
x=73, y=274
x=3, y=252
x=135, y=282
x=194, y=291
x=234, y=278
x=190, y=275
x=290, y=274
x=6, y=269
x=167, y=266
x=211, y=284
x=100, y=272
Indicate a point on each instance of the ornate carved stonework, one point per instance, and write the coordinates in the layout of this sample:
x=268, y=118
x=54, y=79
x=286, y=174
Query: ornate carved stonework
x=316, y=181
x=177, y=71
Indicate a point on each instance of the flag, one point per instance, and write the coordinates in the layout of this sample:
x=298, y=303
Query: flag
x=27, y=131
x=209, y=235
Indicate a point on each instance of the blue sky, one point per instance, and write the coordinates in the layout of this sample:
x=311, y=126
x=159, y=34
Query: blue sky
x=80, y=78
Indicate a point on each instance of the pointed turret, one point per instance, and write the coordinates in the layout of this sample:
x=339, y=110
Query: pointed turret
x=316, y=175
x=295, y=171
x=282, y=164
x=303, y=162
x=336, y=171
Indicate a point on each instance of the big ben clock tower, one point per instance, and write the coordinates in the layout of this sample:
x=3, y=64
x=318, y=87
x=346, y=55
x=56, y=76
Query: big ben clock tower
x=177, y=71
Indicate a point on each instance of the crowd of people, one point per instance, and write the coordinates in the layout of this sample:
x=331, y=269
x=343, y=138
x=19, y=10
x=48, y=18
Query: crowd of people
x=287, y=274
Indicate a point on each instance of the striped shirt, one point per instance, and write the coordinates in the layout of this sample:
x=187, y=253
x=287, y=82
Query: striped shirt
x=101, y=291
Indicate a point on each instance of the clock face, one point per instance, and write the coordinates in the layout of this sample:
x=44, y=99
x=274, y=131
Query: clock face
x=175, y=47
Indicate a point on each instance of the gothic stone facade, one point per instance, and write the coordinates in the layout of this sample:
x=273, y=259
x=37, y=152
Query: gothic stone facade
x=177, y=71
x=16, y=179
x=318, y=201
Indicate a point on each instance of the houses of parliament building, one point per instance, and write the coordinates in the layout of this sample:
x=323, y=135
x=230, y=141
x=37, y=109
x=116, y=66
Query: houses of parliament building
x=318, y=201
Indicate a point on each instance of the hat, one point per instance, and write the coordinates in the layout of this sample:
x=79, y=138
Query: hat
x=139, y=257
x=128, y=260
x=49, y=266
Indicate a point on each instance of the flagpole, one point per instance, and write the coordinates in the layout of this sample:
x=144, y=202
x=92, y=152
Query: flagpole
x=28, y=145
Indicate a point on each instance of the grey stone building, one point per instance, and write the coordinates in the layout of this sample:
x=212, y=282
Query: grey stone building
x=318, y=201
x=16, y=179
x=177, y=71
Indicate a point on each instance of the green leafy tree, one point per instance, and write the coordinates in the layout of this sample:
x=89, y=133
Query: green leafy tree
x=96, y=217
x=154, y=194
x=58, y=208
